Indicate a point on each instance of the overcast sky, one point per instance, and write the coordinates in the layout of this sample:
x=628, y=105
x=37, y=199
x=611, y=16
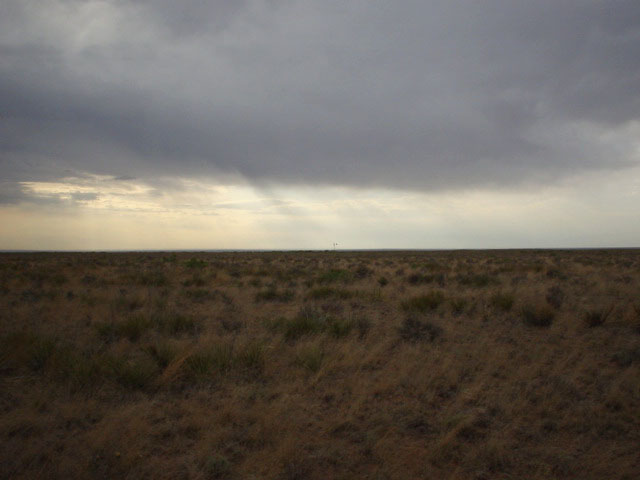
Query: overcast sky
x=294, y=124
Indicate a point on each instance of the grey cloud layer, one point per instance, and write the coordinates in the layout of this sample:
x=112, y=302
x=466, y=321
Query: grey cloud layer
x=421, y=95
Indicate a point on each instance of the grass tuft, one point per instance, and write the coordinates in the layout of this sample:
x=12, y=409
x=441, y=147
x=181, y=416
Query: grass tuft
x=424, y=303
x=538, y=315
x=414, y=330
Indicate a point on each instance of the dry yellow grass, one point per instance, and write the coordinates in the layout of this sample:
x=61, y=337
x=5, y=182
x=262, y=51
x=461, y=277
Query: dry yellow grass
x=384, y=365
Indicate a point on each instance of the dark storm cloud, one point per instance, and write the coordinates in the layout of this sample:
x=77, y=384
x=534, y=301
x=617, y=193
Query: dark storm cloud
x=426, y=95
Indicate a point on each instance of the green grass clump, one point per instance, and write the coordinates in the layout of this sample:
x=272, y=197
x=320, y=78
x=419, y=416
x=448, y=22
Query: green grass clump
x=251, y=356
x=213, y=358
x=424, y=303
x=309, y=321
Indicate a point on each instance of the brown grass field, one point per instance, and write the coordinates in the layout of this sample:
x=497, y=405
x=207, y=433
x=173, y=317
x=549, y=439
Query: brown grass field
x=516, y=364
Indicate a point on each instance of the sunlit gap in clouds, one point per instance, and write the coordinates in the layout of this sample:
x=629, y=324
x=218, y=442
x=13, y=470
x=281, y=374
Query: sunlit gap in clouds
x=105, y=212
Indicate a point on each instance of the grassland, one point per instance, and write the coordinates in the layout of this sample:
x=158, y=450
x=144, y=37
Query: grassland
x=320, y=365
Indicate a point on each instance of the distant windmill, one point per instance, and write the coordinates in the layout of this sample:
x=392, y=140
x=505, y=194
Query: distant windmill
x=335, y=244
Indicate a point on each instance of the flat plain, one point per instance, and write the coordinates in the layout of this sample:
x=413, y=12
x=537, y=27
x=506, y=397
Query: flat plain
x=322, y=365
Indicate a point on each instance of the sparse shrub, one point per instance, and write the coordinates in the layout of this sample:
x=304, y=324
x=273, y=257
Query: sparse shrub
x=195, y=263
x=340, y=327
x=217, y=357
x=310, y=357
x=152, y=279
x=177, y=324
x=127, y=304
x=195, y=281
x=134, y=327
x=363, y=325
x=273, y=295
x=335, y=275
x=362, y=271
x=502, y=301
x=327, y=292
x=41, y=350
x=477, y=280
x=251, y=356
x=382, y=281
x=132, y=374
x=415, y=330
x=163, y=353
x=537, y=315
x=626, y=357
x=418, y=278
x=555, y=296
x=231, y=325
x=217, y=466
x=199, y=294
x=458, y=305
x=308, y=321
x=131, y=328
x=597, y=317
x=424, y=303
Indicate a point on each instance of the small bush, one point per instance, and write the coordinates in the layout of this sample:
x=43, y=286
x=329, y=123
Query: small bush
x=162, y=353
x=152, y=279
x=195, y=263
x=502, y=301
x=310, y=357
x=414, y=330
x=362, y=271
x=40, y=351
x=199, y=295
x=537, y=315
x=555, y=296
x=132, y=374
x=597, y=317
x=195, y=281
x=177, y=324
x=335, y=275
x=418, y=278
x=273, y=295
x=382, y=281
x=251, y=356
x=217, y=358
x=340, y=327
x=477, y=280
x=308, y=321
x=327, y=292
x=424, y=303
x=132, y=328
x=217, y=466
x=626, y=357
x=458, y=305
x=363, y=325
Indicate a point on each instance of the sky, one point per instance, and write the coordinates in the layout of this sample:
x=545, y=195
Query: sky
x=297, y=124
